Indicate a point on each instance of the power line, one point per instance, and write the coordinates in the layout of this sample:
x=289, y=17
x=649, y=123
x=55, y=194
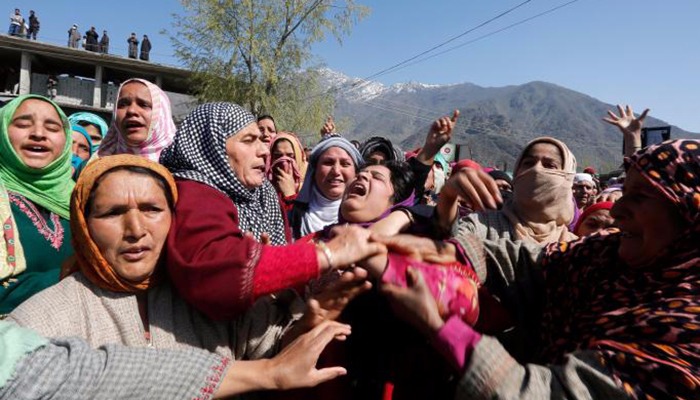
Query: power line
x=450, y=40
x=549, y=11
x=364, y=81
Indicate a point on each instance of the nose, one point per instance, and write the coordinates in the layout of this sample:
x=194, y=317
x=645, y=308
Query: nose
x=133, y=226
x=364, y=175
x=263, y=150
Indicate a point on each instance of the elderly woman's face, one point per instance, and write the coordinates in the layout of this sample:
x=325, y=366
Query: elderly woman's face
x=247, y=154
x=36, y=133
x=134, y=110
x=369, y=195
x=649, y=222
x=129, y=221
x=81, y=147
x=335, y=169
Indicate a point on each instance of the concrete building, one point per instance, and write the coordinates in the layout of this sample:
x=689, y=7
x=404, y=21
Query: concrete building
x=87, y=81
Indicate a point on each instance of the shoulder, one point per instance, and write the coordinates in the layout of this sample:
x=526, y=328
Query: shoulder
x=51, y=307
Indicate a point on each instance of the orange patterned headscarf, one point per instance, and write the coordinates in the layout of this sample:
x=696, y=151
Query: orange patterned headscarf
x=89, y=259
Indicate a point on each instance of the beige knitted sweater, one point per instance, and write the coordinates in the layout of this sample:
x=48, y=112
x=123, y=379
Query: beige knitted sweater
x=76, y=307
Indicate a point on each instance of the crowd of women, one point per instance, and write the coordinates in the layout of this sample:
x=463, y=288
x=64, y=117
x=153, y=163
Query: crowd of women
x=222, y=257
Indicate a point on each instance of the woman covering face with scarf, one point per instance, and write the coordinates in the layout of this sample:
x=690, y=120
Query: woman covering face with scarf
x=541, y=207
x=217, y=252
x=613, y=315
x=287, y=167
x=142, y=122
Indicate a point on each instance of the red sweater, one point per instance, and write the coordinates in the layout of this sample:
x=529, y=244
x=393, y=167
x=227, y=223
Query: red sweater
x=218, y=270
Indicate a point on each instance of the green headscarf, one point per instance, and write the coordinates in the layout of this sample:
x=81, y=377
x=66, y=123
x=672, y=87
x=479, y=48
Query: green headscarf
x=49, y=187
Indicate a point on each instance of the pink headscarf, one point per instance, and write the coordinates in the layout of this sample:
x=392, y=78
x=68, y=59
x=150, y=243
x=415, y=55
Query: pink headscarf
x=297, y=165
x=161, y=132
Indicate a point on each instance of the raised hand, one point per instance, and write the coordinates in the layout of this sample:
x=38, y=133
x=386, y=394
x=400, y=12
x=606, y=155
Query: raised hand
x=284, y=182
x=328, y=127
x=626, y=121
x=439, y=134
x=630, y=127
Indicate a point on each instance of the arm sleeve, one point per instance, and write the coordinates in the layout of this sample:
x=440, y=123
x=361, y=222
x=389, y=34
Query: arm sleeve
x=492, y=373
x=69, y=369
x=218, y=270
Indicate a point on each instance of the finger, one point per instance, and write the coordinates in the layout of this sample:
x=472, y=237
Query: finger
x=455, y=115
x=326, y=374
x=621, y=111
x=644, y=115
x=485, y=195
x=612, y=115
x=467, y=191
x=628, y=110
x=491, y=186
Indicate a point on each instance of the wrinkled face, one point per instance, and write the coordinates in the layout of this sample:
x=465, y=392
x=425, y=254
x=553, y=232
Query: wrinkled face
x=595, y=222
x=95, y=134
x=134, y=110
x=267, y=130
x=369, y=195
x=36, y=133
x=282, y=148
x=546, y=155
x=335, y=169
x=649, y=222
x=129, y=220
x=584, y=193
x=81, y=147
x=247, y=154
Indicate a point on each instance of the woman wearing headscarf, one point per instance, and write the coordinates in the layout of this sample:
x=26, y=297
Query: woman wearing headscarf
x=287, y=167
x=142, y=121
x=542, y=204
x=217, y=251
x=82, y=149
x=332, y=165
x=117, y=293
x=95, y=126
x=616, y=315
x=378, y=150
x=35, y=188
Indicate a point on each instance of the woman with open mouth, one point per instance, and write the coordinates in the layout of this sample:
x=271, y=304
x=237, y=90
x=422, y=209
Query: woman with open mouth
x=142, y=122
x=35, y=188
x=229, y=244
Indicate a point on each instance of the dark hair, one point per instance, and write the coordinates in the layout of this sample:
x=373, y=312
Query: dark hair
x=401, y=180
x=134, y=170
x=266, y=116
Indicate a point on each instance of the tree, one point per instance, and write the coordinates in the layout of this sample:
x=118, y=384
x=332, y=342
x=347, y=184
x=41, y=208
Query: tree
x=254, y=53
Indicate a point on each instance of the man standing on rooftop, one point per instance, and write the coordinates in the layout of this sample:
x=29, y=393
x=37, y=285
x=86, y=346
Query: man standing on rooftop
x=16, y=22
x=145, y=48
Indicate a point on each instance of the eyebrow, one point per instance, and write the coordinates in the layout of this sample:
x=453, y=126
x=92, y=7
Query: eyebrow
x=30, y=117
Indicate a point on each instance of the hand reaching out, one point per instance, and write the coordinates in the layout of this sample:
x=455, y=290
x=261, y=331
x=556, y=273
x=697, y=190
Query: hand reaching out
x=626, y=121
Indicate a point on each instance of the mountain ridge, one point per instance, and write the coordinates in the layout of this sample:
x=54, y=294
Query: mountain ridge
x=495, y=123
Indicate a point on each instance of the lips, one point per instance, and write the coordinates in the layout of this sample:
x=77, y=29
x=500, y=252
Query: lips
x=357, y=189
x=36, y=149
x=133, y=126
x=135, y=253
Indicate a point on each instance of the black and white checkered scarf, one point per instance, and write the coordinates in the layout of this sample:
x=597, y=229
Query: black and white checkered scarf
x=198, y=153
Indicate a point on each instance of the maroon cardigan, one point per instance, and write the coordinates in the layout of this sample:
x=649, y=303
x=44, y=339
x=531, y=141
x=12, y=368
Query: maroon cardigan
x=218, y=270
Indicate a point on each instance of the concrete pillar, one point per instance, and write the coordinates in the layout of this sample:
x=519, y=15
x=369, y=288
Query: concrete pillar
x=97, y=91
x=159, y=81
x=25, y=74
